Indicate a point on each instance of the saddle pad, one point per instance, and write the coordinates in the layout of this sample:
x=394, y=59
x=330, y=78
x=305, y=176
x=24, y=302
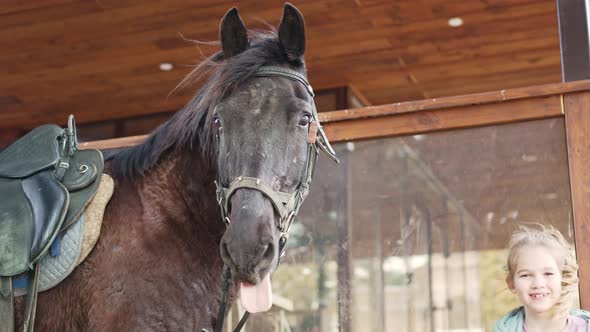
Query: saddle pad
x=93, y=215
x=76, y=243
x=54, y=270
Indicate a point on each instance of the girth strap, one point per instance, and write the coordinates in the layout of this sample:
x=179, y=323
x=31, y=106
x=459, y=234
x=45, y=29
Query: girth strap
x=7, y=302
x=6, y=305
x=31, y=305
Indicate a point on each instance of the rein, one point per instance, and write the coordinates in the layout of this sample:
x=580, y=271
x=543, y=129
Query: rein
x=285, y=204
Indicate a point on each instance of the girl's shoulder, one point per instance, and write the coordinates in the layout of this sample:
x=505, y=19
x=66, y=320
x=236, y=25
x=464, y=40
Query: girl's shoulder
x=576, y=324
x=583, y=314
x=511, y=322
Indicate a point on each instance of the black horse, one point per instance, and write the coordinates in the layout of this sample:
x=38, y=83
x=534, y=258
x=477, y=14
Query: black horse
x=158, y=263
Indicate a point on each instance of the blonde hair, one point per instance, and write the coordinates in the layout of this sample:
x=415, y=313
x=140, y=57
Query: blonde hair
x=550, y=238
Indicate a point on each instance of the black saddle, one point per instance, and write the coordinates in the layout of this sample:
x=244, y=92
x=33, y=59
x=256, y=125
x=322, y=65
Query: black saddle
x=45, y=183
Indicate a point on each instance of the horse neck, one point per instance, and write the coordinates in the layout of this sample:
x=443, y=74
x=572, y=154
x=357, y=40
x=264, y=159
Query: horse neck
x=175, y=212
x=181, y=192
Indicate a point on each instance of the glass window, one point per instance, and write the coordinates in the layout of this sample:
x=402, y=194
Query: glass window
x=409, y=233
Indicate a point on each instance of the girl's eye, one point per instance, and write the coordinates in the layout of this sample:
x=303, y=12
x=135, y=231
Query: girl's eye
x=305, y=119
x=549, y=273
x=525, y=275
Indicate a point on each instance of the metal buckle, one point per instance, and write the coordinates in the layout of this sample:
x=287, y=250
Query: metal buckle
x=312, y=135
x=286, y=224
x=218, y=193
x=83, y=169
x=304, y=190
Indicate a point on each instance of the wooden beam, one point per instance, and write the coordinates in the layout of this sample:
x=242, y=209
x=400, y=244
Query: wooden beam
x=422, y=121
x=411, y=123
x=113, y=143
x=577, y=121
x=456, y=101
x=356, y=99
x=573, y=37
x=537, y=102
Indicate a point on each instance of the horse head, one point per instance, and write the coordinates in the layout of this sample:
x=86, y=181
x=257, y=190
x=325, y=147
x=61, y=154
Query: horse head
x=265, y=129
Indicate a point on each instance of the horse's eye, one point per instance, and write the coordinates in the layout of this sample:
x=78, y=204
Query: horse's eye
x=216, y=120
x=305, y=119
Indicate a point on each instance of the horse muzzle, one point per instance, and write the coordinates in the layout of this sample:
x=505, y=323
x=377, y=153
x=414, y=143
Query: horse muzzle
x=250, y=244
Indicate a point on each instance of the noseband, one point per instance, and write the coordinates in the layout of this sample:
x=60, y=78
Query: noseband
x=285, y=204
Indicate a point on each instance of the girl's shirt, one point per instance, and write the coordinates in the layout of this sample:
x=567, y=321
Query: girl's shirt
x=578, y=321
x=574, y=324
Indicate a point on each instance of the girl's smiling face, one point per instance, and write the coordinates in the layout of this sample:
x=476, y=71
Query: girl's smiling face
x=537, y=279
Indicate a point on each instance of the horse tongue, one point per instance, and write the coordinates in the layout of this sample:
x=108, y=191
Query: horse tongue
x=256, y=298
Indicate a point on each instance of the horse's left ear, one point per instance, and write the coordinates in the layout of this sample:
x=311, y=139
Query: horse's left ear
x=292, y=32
x=234, y=37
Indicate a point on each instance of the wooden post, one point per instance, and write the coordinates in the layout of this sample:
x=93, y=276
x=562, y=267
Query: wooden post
x=573, y=17
x=344, y=254
x=577, y=122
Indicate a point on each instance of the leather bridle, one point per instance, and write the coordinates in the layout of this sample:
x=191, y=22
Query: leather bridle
x=285, y=204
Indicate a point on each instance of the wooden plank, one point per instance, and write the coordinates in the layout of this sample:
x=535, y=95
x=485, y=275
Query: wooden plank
x=421, y=121
x=457, y=101
x=77, y=67
x=113, y=143
x=16, y=6
x=56, y=53
x=419, y=117
x=577, y=121
x=379, y=92
x=508, y=80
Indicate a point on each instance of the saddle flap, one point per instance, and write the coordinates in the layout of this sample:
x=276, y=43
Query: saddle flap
x=15, y=228
x=32, y=211
x=36, y=151
x=82, y=180
x=49, y=200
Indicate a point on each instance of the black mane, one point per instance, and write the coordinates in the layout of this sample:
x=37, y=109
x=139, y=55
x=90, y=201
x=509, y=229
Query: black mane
x=190, y=128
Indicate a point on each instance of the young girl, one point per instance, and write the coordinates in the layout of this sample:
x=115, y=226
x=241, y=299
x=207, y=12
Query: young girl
x=543, y=273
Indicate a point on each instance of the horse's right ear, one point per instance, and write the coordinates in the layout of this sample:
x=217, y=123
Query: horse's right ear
x=234, y=37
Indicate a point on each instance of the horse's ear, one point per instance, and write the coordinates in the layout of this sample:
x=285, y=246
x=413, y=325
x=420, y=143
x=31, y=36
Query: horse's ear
x=292, y=32
x=234, y=37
